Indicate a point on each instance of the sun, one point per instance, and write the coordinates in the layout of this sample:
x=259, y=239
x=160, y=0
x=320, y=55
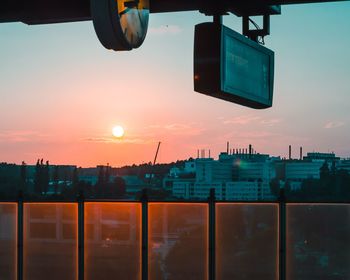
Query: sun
x=118, y=131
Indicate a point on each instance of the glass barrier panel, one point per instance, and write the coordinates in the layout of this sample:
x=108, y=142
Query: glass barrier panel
x=8, y=241
x=246, y=241
x=112, y=241
x=50, y=239
x=178, y=241
x=318, y=241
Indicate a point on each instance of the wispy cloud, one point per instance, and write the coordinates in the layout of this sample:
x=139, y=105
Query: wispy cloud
x=111, y=140
x=271, y=122
x=177, y=126
x=185, y=129
x=333, y=124
x=149, y=133
x=18, y=136
x=251, y=119
x=241, y=120
x=165, y=29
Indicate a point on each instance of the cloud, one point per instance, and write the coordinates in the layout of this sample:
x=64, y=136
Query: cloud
x=178, y=129
x=18, y=136
x=177, y=126
x=271, y=122
x=241, y=120
x=251, y=119
x=111, y=140
x=186, y=129
x=333, y=124
x=150, y=134
x=165, y=29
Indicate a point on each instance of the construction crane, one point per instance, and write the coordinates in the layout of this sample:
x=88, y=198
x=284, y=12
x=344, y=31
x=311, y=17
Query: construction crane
x=155, y=157
x=154, y=163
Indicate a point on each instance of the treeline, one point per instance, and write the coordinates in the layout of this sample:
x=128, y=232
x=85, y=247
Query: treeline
x=158, y=170
x=333, y=185
x=56, y=182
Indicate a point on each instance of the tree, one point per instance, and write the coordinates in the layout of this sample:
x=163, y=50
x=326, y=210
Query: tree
x=38, y=177
x=55, y=178
x=107, y=174
x=275, y=187
x=46, y=177
x=75, y=179
x=23, y=176
x=324, y=172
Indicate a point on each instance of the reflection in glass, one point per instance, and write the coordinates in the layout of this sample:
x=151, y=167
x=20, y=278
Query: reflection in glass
x=112, y=241
x=246, y=241
x=318, y=242
x=178, y=241
x=8, y=244
x=50, y=241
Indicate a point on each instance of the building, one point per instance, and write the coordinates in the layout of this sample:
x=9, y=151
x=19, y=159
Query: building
x=133, y=183
x=329, y=157
x=235, y=176
x=210, y=170
x=245, y=190
x=301, y=170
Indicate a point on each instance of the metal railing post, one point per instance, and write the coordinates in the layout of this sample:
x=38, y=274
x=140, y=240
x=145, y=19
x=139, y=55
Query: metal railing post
x=212, y=234
x=20, y=236
x=144, y=261
x=81, y=222
x=282, y=236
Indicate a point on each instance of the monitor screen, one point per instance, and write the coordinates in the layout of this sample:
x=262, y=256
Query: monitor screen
x=231, y=67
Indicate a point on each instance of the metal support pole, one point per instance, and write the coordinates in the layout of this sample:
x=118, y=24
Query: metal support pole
x=255, y=33
x=81, y=222
x=212, y=235
x=20, y=236
x=266, y=22
x=144, y=200
x=217, y=19
x=282, y=236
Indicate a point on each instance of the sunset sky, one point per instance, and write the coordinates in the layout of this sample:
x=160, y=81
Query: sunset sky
x=61, y=92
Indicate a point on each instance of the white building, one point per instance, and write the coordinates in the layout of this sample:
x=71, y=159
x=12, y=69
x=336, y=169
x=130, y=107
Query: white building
x=245, y=190
x=232, y=178
x=301, y=170
x=252, y=171
x=210, y=170
x=190, y=167
x=183, y=188
x=240, y=190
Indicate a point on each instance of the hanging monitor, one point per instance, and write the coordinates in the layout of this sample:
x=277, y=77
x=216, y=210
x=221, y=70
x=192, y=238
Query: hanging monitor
x=229, y=66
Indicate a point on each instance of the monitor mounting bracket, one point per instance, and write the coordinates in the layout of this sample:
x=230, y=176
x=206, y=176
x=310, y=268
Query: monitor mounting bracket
x=255, y=34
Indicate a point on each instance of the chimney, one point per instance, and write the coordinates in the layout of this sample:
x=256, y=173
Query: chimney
x=228, y=147
x=290, y=151
x=198, y=153
x=301, y=153
x=209, y=153
x=250, y=149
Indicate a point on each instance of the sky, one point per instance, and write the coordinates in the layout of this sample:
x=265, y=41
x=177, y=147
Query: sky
x=61, y=92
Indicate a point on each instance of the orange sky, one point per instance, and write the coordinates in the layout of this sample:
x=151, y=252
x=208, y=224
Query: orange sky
x=62, y=92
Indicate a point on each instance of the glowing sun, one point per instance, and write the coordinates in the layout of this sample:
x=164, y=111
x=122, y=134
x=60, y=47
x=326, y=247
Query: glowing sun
x=118, y=131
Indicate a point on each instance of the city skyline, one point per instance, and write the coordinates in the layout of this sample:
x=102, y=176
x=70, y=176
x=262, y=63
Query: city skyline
x=61, y=92
x=293, y=155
